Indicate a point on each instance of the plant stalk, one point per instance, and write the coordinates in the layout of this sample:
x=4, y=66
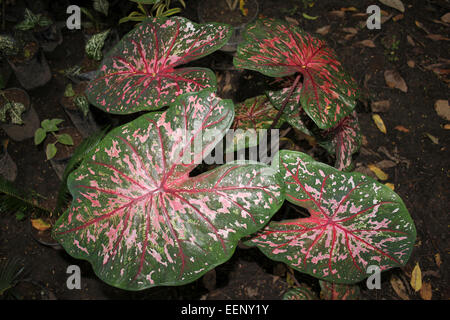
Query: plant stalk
x=283, y=106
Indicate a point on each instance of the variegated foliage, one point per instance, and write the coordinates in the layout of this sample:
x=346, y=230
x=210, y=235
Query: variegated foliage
x=277, y=48
x=141, y=72
x=354, y=222
x=138, y=216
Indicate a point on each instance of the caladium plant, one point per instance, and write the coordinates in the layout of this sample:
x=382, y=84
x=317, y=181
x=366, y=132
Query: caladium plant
x=141, y=220
x=354, y=222
x=343, y=140
x=140, y=72
x=336, y=291
x=277, y=48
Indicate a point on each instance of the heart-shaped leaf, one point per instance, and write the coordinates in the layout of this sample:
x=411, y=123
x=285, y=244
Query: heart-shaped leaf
x=141, y=220
x=301, y=293
x=355, y=222
x=252, y=116
x=140, y=72
x=336, y=291
x=343, y=141
x=293, y=112
x=277, y=48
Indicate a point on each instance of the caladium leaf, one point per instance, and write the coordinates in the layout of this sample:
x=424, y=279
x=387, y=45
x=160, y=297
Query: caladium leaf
x=140, y=72
x=293, y=112
x=336, y=291
x=343, y=140
x=302, y=293
x=252, y=116
x=277, y=48
x=141, y=220
x=355, y=222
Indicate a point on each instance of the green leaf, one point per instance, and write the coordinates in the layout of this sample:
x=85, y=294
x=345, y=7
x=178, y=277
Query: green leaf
x=101, y=6
x=15, y=111
x=277, y=49
x=51, y=151
x=252, y=115
x=138, y=217
x=302, y=293
x=51, y=125
x=65, y=139
x=354, y=222
x=336, y=291
x=82, y=103
x=343, y=141
x=68, y=92
x=95, y=45
x=142, y=72
x=39, y=136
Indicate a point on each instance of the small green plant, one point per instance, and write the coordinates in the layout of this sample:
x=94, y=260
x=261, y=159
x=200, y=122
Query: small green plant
x=8, y=45
x=391, y=47
x=79, y=100
x=160, y=8
x=51, y=126
x=13, y=109
x=32, y=21
x=10, y=272
x=95, y=45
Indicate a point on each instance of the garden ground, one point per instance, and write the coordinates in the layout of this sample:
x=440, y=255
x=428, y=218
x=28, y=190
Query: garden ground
x=415, y=146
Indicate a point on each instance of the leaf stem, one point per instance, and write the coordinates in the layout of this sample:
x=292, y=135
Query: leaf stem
x=283, y=106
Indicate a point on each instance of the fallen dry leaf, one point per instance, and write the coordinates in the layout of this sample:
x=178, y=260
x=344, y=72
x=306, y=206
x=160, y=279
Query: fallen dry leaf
x=396, y=4
x=40, y=225
x=291, y=20
x=350, y=30
x=378, y=172
x=399, y=288
x=379, y=123
x=352, y=9
x=394, y=80
x=426, y=293
x=437, y=37
x=398, y=17
x=437, y=259
x=381, y=106
x=446, y=17
x=337, y=14
x=447, y=126
x=421, y=26
x=411, y=63
x=432, y=138
x=323, y=30
x=416, y=278
x=410, y=40
x=386, y=164
x=401, y=129
x=390, y=186
x=442, y=109
x=367, y=43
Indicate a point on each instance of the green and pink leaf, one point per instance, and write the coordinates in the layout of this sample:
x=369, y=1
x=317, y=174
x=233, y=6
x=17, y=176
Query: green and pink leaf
x=354, y=222
x=142, y=221
x=276, y=48
x=140, y=72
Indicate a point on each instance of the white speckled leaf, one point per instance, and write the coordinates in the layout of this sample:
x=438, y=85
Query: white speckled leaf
x=343, y=141
x=277, y=48
x=355, y=222
x=336, y=291
x=141, y=220
x=141, y=72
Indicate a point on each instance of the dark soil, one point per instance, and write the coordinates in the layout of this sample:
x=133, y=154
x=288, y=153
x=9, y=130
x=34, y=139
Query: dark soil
x=218, y=11
x=420, y=176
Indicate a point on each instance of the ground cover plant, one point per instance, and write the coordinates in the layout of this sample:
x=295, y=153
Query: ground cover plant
x=142, y=220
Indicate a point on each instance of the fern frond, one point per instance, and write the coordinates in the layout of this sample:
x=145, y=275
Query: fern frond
x=13, y=200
